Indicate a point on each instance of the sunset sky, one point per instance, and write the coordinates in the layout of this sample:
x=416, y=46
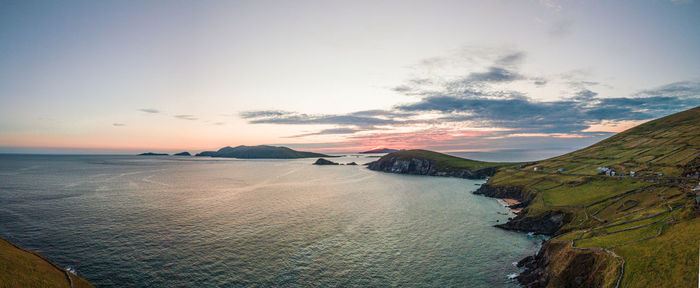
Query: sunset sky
x=339, y=76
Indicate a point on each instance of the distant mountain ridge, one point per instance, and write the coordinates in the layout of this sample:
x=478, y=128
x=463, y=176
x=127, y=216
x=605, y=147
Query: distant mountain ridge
x=381, y=150
x=153, y=154
x=260, y=152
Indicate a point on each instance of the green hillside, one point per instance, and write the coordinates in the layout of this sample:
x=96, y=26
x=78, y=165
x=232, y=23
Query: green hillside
x=21, y=268
x=442, y=160
x=423, y=162
x=647, y=223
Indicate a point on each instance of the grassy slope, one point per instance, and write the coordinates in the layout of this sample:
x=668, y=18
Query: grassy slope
x=19, y=268
x=648, y=220
x=444, y=160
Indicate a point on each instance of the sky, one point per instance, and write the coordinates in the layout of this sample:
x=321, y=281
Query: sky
x=339, y=76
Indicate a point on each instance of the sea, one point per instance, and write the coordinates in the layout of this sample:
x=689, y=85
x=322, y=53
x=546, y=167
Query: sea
x=167, y=221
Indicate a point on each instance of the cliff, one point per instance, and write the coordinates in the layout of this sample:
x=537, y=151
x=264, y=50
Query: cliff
x=423, y=162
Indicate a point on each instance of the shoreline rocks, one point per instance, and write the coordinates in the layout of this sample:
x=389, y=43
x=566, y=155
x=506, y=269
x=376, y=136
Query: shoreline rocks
x=322, y=161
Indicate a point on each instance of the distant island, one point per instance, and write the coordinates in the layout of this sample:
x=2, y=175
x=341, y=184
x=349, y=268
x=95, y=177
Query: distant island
x=380, y=150
x=260, y=152
x=153, y=154
x=322, y=161
x=182, y=154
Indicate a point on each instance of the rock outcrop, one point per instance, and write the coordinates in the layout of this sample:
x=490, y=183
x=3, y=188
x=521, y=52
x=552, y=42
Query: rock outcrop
x=322, y=161
x=574, y=267
x=512, y=192
x=544, y=224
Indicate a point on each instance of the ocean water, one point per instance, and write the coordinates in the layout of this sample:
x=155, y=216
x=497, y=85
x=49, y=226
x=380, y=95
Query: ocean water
x=130, y=221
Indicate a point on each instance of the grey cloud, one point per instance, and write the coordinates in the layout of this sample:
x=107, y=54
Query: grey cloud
x=385, y=113
x=585, y=95
x=511, y=59
x=503, y=69
x=683, y=89
x=263, y=113
x=540, y=81
x=322, y=119
x=565, y=116
x=334, y=131
x=402, y=88
x=495, y=74
x=420, y=81
x=186, y=117
x=118, y=124
x=561, y=28
x=149, y=110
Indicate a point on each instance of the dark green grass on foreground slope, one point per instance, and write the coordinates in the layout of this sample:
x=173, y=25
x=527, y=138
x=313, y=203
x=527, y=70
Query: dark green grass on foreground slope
x=20, y=268
x=444, y=160
x=648, y=220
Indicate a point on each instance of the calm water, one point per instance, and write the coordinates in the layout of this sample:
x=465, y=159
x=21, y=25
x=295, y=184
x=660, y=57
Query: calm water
x=127, y=221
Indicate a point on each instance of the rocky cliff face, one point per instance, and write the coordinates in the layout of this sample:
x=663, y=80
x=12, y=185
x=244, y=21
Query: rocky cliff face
x=559, y=265
x=545, y=224
x=511, y=192
x=536, y=273
x=420, y=166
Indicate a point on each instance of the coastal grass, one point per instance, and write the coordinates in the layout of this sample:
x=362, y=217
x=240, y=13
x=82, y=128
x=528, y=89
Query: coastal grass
x=615, y=239
x=572, y=235
x=649, y=220
x=616, y=228
x=670, y=260
x=19, y=268
x=588, y=192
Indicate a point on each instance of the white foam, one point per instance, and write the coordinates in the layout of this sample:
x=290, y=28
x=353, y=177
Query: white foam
x=71, y=270
x=512, y=275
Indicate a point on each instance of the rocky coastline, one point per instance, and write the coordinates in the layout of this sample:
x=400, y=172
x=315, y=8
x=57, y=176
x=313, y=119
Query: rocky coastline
x=536, y=267
x=536, y=271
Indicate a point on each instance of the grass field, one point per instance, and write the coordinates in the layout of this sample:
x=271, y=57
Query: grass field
x=19, y=268
x=649, y=220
